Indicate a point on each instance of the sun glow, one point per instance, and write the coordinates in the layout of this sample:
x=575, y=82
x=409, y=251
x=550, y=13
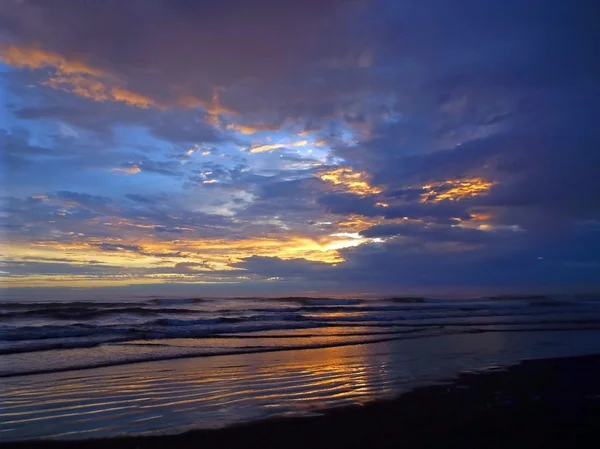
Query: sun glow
x=92, y=261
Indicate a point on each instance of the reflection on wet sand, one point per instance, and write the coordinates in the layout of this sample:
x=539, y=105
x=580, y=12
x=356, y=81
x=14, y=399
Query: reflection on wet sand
x=189, y=393
x=323, y=378
x=176, y=395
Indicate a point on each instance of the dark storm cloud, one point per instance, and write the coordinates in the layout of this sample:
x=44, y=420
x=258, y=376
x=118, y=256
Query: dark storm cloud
x=118, y=247
x=61, y=216
x=192, y=266
x=445, y=211
x=100, y=119
x=543, y=165
x=406, y=264
x=292, y=202
x=167, y=168
x=430, y=232
x=246, y=37
x=140, y=198
x=410, y=94
x=82, y=199
x=184, y=126
x=288, y=269
x=17, y=143
x=17, y=268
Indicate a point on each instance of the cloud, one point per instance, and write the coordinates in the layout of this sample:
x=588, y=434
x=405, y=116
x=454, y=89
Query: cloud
x=364, y=145
x=368, y=206
x=140, y=198
x=131, y=170
x=277, y=146
x=81, y=199
x=349, y=180
x=193, y=266
x=35, y=58
x=118, y=247
x=434, y=232
x=189, y=82
x=253, y=128
x=455, y=189
x=131, y=98
x=286, y=269
x=72, y=75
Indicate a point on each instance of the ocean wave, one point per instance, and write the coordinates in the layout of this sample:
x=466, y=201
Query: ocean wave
x=415, y=307
x=81, y=364
x=58, y=343
x=81, y=313
x=162, y=328
x=222, y=326
x=67, y=305
x=167, y=301
x=46, y=326
x=407, y=299
x=315, y=301
x=86, y=311
x=219, y=320
x=57, y=331
x=65, y=338
x=380, y=306
x=241, y=350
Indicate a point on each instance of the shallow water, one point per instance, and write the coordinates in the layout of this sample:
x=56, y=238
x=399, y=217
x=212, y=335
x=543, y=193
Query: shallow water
x=177, y=395
x=121, y=367
x=60, y=336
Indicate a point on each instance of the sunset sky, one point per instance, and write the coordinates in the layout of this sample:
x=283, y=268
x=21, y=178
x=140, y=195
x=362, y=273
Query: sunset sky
x=274, y=147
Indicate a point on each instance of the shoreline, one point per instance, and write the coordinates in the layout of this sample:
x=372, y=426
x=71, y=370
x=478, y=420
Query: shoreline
x=390, y=336
x=394, y=336
x=536, y=403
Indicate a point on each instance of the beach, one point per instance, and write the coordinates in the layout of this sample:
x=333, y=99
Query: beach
x=297, y=368
x=549, y=403
x=299, y=224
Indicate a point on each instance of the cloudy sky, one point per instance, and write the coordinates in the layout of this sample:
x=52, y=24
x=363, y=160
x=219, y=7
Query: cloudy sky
x=272, y=147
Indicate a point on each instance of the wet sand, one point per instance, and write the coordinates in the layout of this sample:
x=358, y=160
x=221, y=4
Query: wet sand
x=552, y=403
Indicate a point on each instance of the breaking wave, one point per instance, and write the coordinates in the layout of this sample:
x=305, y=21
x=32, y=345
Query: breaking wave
x=39, y=327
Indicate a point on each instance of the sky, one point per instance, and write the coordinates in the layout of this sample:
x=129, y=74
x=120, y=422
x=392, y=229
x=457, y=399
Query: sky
x=273, y=147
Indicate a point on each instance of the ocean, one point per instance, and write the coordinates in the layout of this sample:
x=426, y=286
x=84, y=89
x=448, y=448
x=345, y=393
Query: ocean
x=81, y=369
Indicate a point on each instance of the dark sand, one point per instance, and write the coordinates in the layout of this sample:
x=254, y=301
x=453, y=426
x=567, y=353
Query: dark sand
x=538, y=404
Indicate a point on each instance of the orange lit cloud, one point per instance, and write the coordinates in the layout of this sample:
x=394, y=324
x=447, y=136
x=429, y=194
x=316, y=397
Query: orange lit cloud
x=357, y=223
x=93, y=83
x=40, y=197
x=453, y=190
x=140, y=257
x=252, y=129
x=481, y=216
x=346, y=178
x=131, y=98
x=128, y=170
x=214, y=109
x=73, y=76
x=35, y=58
x=80, y=85
x=277, y=146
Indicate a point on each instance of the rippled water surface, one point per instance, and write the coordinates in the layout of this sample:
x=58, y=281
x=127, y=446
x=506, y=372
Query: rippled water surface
x=170, y=365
